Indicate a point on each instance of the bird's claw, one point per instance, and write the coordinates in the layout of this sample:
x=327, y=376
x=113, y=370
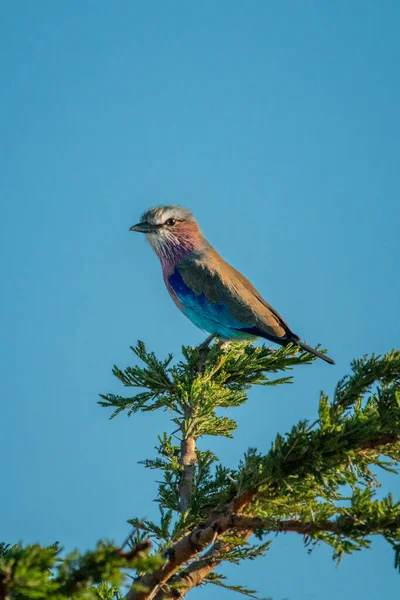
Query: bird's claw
x=204, y=345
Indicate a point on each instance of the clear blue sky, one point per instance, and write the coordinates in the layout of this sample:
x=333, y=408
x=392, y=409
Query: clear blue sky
x=278, y=124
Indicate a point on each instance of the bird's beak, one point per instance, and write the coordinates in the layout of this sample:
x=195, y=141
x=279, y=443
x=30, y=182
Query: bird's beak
x=142, y=227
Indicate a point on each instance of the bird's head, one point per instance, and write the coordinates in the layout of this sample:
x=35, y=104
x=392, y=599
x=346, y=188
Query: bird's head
x=171, y=230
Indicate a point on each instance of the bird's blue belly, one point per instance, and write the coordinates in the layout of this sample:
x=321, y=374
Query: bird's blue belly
x=223, y=332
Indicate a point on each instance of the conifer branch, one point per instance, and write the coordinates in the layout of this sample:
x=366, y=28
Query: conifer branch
x=206, y=532
x=308, y=464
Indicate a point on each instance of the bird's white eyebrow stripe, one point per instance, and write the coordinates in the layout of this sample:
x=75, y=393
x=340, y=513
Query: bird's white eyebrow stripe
x=162, y=224
x=160, y=214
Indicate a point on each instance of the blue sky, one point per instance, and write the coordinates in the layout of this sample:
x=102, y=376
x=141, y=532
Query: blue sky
x=278, y=124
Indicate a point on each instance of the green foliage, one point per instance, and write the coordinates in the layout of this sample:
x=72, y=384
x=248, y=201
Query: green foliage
x=223, y=384
x=366, y=372
x=40, y=572
x=239, y=549
x=107, y=591
x=318, y=480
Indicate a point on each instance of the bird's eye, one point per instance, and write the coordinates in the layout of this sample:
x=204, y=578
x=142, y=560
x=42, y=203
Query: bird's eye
x=170, y=222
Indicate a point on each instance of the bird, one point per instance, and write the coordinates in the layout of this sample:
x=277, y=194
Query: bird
x=209, y=291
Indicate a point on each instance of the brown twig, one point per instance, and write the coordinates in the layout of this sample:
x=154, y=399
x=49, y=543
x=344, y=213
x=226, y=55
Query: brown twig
x=198, y=570
x=188, y=457
x=339, y=526
x=139, y=549
x=188, y=461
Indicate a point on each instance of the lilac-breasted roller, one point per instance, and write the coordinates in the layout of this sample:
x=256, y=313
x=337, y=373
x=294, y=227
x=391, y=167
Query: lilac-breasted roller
x=211, y=293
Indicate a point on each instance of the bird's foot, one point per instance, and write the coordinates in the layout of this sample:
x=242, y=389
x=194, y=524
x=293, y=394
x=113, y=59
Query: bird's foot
x=204, y=345
x=203, y=349
x=223, y=345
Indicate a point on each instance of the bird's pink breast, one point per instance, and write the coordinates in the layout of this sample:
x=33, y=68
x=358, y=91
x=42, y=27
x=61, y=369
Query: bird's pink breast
x=185, y=239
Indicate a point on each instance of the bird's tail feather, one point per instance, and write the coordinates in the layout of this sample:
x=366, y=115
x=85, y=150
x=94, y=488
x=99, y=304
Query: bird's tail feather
x=308, y=348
